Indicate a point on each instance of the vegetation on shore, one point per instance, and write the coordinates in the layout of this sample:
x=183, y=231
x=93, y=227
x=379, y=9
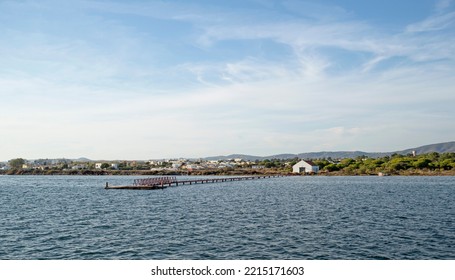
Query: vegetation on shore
x=425, y=164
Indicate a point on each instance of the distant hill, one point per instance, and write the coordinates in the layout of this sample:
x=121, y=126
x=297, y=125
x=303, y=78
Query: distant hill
x=82, y=159
x=448, y=147
x=341, y=154
x=233, y=156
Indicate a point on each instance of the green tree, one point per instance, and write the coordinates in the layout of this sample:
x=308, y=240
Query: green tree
x=331, y=167
x=346, y=162
x=447, y=164
x=422, y=163
x=434, y=156
x=105, y=165
x=380, y=161
x=16, y=163
x=270, y=164
x=322, y=163
x=398, y=163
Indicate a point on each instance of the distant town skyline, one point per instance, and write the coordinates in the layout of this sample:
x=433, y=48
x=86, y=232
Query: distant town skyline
x=166, y=79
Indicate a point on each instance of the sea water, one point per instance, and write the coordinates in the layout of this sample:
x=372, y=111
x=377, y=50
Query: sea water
x=312, y=217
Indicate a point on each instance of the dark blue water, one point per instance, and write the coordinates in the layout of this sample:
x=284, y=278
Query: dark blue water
x=73, y=217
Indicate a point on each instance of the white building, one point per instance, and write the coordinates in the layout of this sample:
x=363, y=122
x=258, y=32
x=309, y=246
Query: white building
x=176, y=165
x=258, y=167
x=79, y=166
x=305, y=166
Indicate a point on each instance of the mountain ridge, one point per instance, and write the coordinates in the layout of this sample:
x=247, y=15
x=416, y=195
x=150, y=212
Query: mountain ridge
x=445, y=147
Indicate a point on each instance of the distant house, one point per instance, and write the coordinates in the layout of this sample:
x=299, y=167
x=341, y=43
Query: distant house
x=176, y=165
x=79, y=166
x=26, y=166
x=305, y=166
x=258, y=167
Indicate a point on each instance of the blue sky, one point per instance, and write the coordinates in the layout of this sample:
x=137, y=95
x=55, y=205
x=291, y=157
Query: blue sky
x=161, y=79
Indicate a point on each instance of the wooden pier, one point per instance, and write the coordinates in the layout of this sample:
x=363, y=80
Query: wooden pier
x=164, y=182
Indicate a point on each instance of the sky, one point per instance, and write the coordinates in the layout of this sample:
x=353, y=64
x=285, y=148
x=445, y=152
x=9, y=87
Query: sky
x=174, y=78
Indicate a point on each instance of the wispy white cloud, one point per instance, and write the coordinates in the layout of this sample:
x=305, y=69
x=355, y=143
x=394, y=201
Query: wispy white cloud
x=442, y=5
x=433, y=23
x=229, y=82
x=442, y=18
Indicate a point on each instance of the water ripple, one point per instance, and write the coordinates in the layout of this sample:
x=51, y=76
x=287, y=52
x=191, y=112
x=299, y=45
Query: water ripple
x=73, y=217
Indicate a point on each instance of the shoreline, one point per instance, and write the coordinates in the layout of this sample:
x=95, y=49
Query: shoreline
x=216, y=172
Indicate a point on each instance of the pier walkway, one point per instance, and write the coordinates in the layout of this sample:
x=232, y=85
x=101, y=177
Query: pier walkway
x=171, y=181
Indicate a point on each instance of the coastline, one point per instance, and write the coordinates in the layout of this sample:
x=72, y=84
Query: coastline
x=220, y=172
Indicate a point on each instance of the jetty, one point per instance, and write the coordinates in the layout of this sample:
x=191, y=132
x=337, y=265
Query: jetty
x=171, y=181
